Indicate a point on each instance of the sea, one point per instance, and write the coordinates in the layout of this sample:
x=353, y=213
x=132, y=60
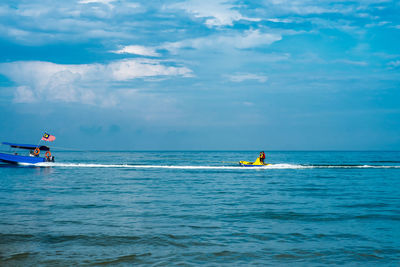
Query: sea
x=189, y=208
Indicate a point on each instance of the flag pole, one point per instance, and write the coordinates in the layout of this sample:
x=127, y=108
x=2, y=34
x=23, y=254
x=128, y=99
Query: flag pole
x=37, y=146
x=40, y=140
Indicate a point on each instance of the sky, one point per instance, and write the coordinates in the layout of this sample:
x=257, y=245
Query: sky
x=201, y=74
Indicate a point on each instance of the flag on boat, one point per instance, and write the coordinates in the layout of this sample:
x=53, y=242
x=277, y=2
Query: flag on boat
x=48, y=137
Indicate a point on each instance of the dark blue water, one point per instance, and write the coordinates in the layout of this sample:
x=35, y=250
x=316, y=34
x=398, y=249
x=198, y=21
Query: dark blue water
x=192, y=208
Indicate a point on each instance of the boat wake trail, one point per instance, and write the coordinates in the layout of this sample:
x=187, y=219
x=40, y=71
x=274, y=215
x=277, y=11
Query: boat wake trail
x=271, y=166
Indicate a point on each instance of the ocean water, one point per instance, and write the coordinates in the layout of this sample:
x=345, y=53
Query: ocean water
x=201, y=208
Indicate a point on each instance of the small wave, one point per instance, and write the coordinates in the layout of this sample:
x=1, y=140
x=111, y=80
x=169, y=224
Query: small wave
x=131, y=259
x=20, y=256
x=386, y=161
x=194, y=167
x=356, y=166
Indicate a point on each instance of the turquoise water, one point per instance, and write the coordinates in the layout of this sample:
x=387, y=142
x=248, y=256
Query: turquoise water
x=200, y=208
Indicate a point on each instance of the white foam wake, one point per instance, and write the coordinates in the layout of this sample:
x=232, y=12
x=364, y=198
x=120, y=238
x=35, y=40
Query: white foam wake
x=271, y=166
x=94, y=165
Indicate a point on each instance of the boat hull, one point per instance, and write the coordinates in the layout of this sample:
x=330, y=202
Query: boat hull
x=15, y=159
x=252, y=164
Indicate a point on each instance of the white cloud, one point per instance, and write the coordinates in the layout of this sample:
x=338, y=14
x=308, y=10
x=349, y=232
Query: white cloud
x=248, y=39
x=85, y=83
x=36, y=23
x=377, y=24
x=137, y=50
x=240, y=77
x=252, y=38
x=351, y=62
x=132, y=68
x=306, y=7
x=104, y=2
x=394, y=64
x=24, y=94
x=279, y=20
x=249, y=104
x=216, y=12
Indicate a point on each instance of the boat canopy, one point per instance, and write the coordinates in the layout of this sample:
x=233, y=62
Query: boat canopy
x=26, y=146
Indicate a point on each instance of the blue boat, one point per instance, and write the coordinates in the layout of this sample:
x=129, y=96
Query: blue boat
x=32, y=158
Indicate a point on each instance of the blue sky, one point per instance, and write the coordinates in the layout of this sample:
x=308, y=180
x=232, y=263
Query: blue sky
x=202, y=75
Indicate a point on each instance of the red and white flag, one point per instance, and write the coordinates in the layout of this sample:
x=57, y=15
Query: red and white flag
x=48, y=137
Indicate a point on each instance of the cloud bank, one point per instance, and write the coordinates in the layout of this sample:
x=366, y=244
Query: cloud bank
x=248, y=39
x=215, y=12
x=84, y=83
x=137, y=50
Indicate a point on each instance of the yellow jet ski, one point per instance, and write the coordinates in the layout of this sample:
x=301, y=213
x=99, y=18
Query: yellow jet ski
x=256, y=163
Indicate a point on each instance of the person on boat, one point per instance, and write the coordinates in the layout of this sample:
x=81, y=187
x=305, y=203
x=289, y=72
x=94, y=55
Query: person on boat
x=33, y=154
x=262, y=157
